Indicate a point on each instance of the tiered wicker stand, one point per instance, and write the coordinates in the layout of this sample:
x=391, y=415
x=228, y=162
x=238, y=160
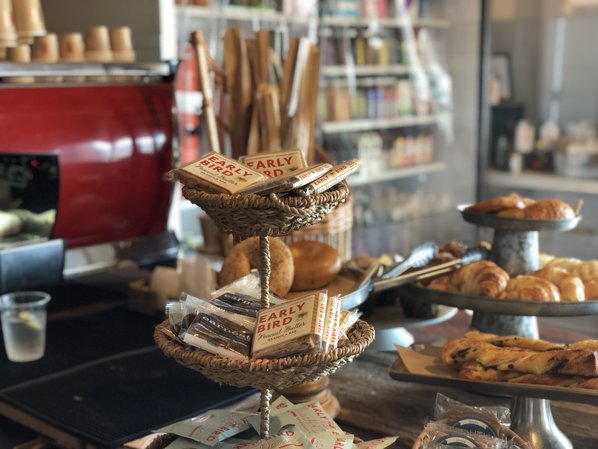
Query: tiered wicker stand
x=253, y=215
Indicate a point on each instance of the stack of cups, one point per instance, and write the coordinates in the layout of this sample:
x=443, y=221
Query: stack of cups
x=72, y=50
x=122, y=45
x=29, y=20
x=97, y=45
x=8, y=31
x=45, y=51
x=20, y=54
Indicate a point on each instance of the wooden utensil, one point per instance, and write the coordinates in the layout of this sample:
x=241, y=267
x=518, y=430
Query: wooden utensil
x=198, y=42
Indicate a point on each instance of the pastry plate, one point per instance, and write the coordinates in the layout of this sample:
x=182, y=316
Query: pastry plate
x=499, y=306
x=423, y=365
x=349, y=284
x=516, y=224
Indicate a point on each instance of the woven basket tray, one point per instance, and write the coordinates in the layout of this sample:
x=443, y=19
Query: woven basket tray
x=278, y=373
x=255, y=215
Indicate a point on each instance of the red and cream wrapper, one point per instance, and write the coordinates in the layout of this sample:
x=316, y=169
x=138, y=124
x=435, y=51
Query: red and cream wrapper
x=329, y=325
x=313, y=421
x=332, y=178
x=276, y=164
x=289, y=182
x=217, y=173
x=380, y=443
x=211, y=427
x=292, y=327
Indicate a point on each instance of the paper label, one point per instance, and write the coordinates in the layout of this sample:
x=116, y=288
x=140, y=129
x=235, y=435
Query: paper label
x=223, y=172
x=231, y=443
x=285, y=438
x=287, y=322
x=311, y=419
x=475, y=425
x=334, y=176
x=211, y=427
x=276, y=164
x=331, y=308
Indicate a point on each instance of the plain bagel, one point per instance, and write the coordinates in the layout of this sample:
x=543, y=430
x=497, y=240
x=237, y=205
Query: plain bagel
x=316, y=264
x=245, y=256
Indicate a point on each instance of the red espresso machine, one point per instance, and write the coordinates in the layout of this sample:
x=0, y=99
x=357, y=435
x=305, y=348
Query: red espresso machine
x=81, y=163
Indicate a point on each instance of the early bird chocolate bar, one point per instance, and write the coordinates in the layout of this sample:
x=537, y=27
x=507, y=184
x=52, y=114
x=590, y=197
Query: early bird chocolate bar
x=276, y=164
x=218, y=173
x=288, y=182
x=293, y=327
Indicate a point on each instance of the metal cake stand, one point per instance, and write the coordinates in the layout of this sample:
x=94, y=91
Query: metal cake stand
x=515, y=248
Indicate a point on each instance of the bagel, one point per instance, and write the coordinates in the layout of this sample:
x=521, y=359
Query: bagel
x=316, y=264
x=245, y=256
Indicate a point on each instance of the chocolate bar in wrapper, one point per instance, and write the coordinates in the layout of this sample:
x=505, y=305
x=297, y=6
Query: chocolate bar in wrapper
x=217, y=173
x=290, y=328
x=215, y=333
x=238, y=303
x=277, y=163
x=289, y=182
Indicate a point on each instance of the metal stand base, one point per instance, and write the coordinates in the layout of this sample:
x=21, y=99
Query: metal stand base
x=388, y=339
x=515, y=252
x=532, y=420
x=526, y=326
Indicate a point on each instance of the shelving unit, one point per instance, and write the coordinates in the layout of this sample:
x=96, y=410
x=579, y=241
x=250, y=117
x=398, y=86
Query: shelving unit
x=375, y=90
x=398, y=173
x=239, y=13
x=541, y=181
x=364, y=70
x=386, y=22
x=377, y=123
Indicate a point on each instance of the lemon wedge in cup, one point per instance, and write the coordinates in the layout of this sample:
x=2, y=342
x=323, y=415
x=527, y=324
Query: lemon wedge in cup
x=30, y=320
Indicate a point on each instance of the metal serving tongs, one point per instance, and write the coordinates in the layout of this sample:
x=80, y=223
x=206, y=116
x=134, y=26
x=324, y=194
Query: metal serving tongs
x=395, y=276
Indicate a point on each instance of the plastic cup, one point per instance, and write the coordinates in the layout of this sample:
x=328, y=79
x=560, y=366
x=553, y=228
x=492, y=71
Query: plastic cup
x=24, y=324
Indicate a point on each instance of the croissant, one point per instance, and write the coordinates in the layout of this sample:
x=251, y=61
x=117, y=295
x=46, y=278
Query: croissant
x=482, y=278
x=564, y=262
x=441, y=284
x=591, y=288
x=550, y=209
x=570, y=287
x=587, y=270
x=512, y=213
x=494, y=205
x=531, y=288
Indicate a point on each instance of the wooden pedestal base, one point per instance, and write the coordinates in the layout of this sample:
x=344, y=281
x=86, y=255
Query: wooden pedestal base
x=318, y=391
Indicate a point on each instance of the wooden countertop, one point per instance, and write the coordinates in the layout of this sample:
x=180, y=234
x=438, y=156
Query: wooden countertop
x=374, y=405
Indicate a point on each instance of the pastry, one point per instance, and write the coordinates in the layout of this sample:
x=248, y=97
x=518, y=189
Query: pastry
x=549, y=209
x=316, y=264
x=582, y=362
x=475, y=371
x=497, y=204
x=564, y=262
x=531, y=288
x=245, y=256
x=482, y=278
x=512, y=213
x=570, y=287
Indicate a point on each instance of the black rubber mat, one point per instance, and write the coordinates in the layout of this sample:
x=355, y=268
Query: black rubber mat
x=117, y=399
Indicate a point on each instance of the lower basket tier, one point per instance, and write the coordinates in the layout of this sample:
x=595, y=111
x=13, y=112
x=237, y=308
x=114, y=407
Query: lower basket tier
x=263, y=374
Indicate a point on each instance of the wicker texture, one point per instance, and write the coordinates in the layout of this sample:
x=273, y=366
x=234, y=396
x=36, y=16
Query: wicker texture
x=255, y=215
x=264, y=374
x=161, y=441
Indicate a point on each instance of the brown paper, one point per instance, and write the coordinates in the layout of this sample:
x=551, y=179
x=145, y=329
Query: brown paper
x=426, y=361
